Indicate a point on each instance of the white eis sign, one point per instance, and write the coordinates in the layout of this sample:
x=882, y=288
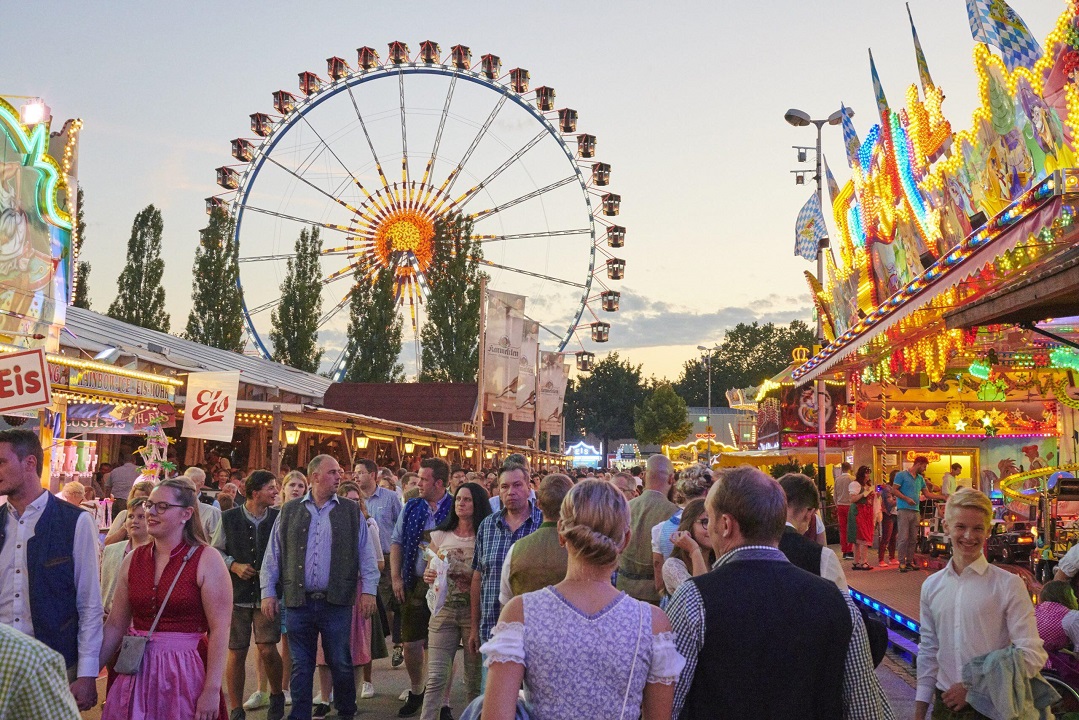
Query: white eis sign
x=24, y=381
x=210, y=408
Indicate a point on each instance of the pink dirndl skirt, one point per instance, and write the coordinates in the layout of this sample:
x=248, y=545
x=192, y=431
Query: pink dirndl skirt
x=168, y=684
x=359, y=639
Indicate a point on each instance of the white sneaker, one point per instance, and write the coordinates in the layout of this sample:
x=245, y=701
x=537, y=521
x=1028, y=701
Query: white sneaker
x=288, y=698
x=368, y=691
x=404, y=695
x=257, y=700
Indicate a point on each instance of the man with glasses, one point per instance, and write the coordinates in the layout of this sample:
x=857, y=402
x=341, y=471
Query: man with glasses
x=49, y=586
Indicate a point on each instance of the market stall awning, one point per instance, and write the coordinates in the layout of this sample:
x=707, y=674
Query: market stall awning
x=781, y=455
x=1050, y=291
x=999, y=235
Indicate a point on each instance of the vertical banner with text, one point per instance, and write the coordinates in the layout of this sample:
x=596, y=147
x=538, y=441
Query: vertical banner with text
x=502, y=350
x=525, y=410
x=554, y=375
x=210, y=409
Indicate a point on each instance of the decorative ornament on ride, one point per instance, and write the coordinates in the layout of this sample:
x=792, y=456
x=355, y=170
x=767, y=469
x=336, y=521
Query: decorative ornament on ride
x=470, y=140
x=155, y=452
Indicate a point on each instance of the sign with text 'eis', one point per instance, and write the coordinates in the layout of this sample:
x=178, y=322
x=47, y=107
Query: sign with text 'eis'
x=24, y=383
x=210, y=409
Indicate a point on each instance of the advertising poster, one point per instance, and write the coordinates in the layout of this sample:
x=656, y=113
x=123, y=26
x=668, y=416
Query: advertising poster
x=502, y=350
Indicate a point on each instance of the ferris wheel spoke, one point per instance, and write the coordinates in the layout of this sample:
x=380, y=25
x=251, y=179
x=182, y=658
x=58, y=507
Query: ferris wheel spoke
x=429, y=170
x=404, y=135
x=464, y=199
x=524, y=198
x=305, y=221
x=314, y=187
x=481, y=239
x=520, y=271
x=448, y=184
x=370, y=145
x=335, y=156
x=264, y=307
x=334, y=310
x=292, y=256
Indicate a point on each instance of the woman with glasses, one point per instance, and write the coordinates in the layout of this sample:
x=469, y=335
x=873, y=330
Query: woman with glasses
x=182, y=667
x=692, y=555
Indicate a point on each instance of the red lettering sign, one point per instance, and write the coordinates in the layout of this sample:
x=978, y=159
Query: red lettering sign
x=210, y=406
x=22, y=381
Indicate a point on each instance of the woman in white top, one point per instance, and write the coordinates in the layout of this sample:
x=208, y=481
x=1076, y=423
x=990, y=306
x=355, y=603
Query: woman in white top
x=118, y=531
x=582, y=648
x=113, y=555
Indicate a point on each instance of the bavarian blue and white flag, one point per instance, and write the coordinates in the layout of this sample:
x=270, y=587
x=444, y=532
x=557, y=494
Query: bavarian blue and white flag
x=809, y=229
x=994, y=22
x=851, y=143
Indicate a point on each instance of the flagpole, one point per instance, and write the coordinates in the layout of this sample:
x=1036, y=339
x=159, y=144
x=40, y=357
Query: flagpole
x=822, y=243
x=480, y=400
x=535, y=405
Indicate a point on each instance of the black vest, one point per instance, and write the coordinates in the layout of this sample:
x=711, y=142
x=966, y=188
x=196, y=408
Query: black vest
x=775, y=644
x=246, y=544
x=346, y=525
x=800, y=550
x=50, y=564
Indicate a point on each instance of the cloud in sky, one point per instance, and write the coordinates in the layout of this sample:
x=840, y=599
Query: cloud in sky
x=645, y=322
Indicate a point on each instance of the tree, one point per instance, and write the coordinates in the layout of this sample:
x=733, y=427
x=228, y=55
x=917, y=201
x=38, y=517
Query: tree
x=748, y=355
x=374, y=330
x=606, y=399
x=140, y=298
x=294, y=334
x=81, y=298
x=450, y=334
x=217, y=310
x=662, y=419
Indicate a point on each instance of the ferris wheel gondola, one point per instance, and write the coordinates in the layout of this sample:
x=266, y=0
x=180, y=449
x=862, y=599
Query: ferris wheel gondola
x=491, y=149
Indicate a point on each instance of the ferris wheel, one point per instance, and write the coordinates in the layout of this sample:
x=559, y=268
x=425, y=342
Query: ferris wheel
x=374, y=155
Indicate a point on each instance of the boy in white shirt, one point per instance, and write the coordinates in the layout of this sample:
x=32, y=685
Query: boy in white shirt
x=968, y=609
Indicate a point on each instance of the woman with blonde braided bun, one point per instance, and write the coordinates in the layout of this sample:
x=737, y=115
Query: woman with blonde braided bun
x=582, y=648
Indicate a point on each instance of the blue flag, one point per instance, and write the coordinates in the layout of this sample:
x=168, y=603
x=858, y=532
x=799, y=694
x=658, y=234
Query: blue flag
x=923, y=66
x=833, y=186
x=994, y=22
x=809, y=229
x=850, y=138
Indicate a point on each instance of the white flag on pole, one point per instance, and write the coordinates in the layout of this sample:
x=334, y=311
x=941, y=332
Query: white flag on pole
x=526, y=382
x=502, y=350
x=554, y=375
x=210, y=408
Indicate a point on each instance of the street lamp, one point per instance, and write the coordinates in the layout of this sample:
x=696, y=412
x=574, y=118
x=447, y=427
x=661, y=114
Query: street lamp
x=708, y=427
x=799, y=118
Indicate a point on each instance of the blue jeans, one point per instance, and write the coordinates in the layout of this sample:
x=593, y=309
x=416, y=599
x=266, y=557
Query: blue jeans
x=334, y=623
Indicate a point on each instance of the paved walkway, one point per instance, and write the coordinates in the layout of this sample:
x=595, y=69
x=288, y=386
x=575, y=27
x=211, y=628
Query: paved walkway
x=900, y=591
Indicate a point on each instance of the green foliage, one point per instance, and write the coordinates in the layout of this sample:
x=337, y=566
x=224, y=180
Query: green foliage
x=294, y=334
x=748, y=355
x=604, y=401
x=81, y=299
x=216, y=311
x=374, y=330
x=140, y=297
x=450, y=335
x=661, y=420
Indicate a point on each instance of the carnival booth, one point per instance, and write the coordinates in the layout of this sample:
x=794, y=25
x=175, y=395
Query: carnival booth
x=933, y=221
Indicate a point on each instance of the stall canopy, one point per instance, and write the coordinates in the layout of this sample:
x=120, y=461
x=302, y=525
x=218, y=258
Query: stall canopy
x=782, y=455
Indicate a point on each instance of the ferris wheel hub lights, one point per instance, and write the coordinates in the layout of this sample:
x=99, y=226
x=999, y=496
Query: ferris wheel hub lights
x=34, y=111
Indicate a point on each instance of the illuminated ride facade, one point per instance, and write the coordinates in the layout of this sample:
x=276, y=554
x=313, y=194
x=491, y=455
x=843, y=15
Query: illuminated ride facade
x=374, y=156
x=934, y=221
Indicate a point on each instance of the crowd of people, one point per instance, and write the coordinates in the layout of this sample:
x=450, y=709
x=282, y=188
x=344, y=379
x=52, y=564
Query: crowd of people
x=638, y=594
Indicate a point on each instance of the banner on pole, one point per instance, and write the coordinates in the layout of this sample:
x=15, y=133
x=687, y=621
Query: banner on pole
x=210, y=408
x=525, y=410
x=502, y=350
x=554, y=374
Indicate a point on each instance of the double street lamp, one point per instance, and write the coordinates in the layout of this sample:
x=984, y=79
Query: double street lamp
x=799, y=118
x=708, y=428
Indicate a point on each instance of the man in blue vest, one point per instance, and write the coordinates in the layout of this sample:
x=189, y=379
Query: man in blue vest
x=49, y=586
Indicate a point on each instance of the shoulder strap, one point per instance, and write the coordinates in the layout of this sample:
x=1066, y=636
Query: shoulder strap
x=642, y=608
x=169, y=593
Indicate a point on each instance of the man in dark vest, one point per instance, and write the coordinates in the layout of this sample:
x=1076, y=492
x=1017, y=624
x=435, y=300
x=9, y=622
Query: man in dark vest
x=762, y=638
x=636, y=573
x=538, y=560
x=49, y=586
x=803, y=500
x=245, y=534
x=318, y=552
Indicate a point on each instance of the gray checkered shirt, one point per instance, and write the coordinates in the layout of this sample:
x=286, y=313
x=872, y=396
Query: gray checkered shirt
x=863, y=697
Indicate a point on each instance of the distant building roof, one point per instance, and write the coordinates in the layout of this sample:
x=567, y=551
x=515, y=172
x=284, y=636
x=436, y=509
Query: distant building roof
x=90, y=333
